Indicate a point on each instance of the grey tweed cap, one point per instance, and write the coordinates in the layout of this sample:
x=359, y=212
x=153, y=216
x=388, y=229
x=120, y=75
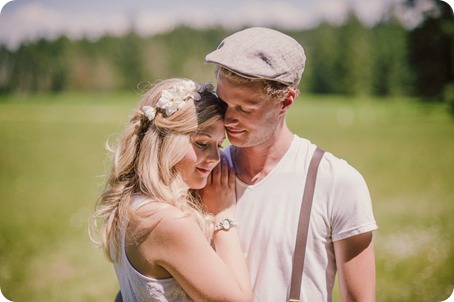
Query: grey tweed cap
x=262, y=53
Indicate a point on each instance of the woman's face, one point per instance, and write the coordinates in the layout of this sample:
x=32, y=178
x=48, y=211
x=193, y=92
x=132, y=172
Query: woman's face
x=202, y=156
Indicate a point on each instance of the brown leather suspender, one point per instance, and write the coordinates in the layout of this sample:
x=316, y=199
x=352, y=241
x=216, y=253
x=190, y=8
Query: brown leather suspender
x=303, y=227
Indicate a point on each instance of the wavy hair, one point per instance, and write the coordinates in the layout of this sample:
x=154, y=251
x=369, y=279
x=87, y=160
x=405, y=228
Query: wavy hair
x=144, y=161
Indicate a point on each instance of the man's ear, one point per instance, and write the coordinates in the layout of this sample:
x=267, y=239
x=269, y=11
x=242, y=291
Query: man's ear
x=289, y=99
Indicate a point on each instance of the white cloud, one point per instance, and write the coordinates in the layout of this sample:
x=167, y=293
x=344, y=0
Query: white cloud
x=94, y=24
x=277, y=13
x=248, y=13
x=412, y=17
x=77, y=19
x=32, y=21
x=370, y=12
x=3, y=3
x=331, y=11
x=27, y=22
x=147, y=22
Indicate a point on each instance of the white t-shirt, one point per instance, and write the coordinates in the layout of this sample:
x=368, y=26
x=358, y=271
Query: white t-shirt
x=268, y=213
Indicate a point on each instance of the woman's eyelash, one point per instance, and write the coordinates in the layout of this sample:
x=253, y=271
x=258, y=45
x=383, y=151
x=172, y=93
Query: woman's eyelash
x=205, y=145
x=201, y=145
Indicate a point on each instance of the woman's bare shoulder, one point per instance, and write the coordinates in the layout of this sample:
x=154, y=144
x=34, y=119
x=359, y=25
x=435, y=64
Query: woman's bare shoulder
x=161, y=219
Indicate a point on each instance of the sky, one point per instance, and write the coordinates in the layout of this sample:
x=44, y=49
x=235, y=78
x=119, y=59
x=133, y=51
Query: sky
x=24, y=20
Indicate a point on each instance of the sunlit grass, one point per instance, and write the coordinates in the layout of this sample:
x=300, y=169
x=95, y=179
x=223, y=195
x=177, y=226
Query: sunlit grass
x=52, y=161
x=405, y=150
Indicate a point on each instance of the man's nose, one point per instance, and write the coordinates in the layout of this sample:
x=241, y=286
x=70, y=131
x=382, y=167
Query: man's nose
x=229, y=116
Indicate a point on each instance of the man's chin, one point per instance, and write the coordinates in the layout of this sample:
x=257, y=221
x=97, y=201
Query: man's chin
x=235, y=140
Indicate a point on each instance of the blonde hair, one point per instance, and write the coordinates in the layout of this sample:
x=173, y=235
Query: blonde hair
x=144, y=162
x=272, y=90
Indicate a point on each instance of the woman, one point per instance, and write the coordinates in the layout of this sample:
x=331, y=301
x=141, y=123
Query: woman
x=165, y=244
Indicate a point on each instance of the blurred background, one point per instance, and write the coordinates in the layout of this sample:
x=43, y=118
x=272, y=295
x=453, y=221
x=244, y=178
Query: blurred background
x=378, y=91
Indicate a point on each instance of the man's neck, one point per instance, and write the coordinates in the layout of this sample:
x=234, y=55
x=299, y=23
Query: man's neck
x=252, y=164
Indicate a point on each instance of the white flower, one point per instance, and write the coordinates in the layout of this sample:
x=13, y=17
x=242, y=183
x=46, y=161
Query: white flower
x=149, y=112
x=175, y=98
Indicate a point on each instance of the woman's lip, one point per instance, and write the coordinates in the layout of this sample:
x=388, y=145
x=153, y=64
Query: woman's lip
x=204, y=171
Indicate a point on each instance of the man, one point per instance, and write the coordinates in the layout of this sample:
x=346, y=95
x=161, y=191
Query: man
x=258, y=71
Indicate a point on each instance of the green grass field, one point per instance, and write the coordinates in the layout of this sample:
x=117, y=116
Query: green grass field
x=52, y=162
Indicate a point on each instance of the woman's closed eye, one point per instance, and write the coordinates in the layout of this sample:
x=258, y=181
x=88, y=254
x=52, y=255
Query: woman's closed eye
x=201, y=145
x=204, y=145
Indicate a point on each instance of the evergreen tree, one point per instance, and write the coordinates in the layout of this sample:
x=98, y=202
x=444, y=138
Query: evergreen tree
x=354, y=59
x=431, y=48
x=391, y=72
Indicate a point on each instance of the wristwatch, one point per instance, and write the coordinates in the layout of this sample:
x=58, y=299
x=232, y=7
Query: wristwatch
x=225, y=224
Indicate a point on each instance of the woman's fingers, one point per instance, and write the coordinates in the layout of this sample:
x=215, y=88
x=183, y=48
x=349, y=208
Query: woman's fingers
x=216, y=174
x=220, y=173
x=224, y=171
x=232, y=177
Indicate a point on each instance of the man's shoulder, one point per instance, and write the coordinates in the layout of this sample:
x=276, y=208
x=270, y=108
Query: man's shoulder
x=339, y=165
x=331, y=164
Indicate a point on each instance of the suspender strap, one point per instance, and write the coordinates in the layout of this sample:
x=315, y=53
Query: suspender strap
x=303, y=227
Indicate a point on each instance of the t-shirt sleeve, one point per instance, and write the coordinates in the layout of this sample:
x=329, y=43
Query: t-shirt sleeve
x=352, y=212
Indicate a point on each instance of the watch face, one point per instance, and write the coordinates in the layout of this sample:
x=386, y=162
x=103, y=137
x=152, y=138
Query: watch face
x=226, y=225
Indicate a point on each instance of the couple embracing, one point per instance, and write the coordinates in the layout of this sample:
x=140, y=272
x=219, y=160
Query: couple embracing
x=183, y=220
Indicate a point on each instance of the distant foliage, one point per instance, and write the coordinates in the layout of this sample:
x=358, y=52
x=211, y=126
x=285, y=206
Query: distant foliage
x=431, y=48
x=350, y=59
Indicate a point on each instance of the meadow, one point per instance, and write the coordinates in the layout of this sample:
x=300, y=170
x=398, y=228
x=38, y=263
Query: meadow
x=53, y=162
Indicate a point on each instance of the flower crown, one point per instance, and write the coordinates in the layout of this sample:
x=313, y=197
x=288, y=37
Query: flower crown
x=175, y=98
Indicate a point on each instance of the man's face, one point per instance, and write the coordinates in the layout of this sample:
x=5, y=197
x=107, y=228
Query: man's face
x=251, y=119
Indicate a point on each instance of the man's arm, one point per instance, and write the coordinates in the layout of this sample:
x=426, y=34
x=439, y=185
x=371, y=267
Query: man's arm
x=355, y=262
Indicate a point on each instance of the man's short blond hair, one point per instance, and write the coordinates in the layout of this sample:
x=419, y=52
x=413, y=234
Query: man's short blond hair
x=272, y=90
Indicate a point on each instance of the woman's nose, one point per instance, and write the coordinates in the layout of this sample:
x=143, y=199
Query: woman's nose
x=214, y=155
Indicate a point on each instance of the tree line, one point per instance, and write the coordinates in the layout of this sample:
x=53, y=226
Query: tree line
x=352, y=59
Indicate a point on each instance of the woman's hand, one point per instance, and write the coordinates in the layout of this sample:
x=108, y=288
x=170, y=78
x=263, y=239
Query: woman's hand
x=219, y=193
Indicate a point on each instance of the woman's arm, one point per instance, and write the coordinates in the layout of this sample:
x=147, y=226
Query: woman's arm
x=204, y=274
x=219, y=197
x=177, y=246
